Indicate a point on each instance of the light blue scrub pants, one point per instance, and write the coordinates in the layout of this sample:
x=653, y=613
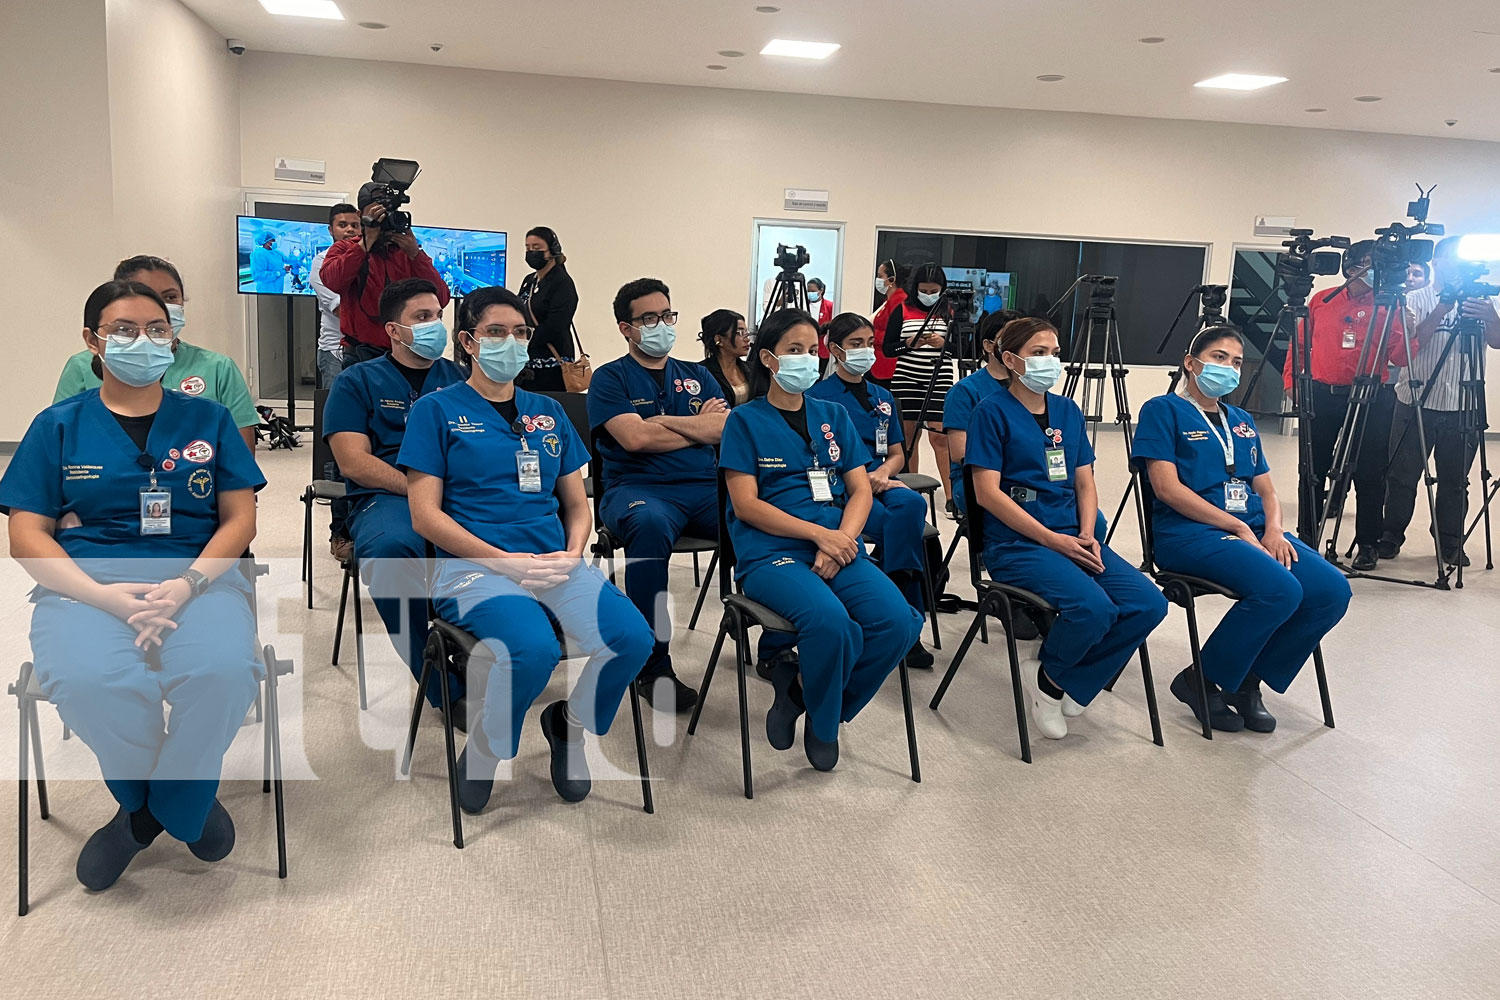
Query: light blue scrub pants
x=1102, y=620
x=111, y=694
x=1282, y=614
x=516, y=626
x=852, y=631
x=898, y=518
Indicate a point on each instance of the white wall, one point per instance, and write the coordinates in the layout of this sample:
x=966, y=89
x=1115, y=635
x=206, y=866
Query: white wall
x=665, y=180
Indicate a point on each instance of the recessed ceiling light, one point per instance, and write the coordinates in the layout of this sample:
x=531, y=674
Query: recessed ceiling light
x=1316, y=111
x=1152, y=40
x=767, y=10
x=1368, y=99
x=325, y=9
x=1239, y=81
x=1051, y=77
x=373, y=25
x=799, y=50
x=716, y=66
x=1495, y=70
x=731, y=53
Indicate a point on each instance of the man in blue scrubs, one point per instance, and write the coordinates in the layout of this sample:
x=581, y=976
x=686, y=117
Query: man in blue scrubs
x=364, y=422
x=657, y=421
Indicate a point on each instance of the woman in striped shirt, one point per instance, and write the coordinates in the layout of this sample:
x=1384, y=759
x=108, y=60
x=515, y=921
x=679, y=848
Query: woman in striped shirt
x=914, y=336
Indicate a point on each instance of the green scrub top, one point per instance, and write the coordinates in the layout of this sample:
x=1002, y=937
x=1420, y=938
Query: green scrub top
x=196, y=371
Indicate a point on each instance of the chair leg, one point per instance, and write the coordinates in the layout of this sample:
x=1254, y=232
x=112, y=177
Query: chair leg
x=1015, y=677
x=265, y=781
x=741, y=661
x=307, y=545
x=932, y=507
x=1322, y=686
x=640, y=750
x=958, y=536
x=697, y=574
x=958, y=657
x=1151, y=696
x=359, y=641
x=440, y=653
x=911, y=723
x=713, y=563
x=708, y=674
x=338, y=628
x=36, y=752
x=452, y=761
x=23, y=811
x=273, y=728
x=1192, y=620
x=929, y=594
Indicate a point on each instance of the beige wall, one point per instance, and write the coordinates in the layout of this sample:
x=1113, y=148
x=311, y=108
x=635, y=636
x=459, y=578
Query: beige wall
x=666, y=180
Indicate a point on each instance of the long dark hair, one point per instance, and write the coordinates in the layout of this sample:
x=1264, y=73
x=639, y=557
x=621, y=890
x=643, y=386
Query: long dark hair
x=131, y=266
x=719, y=323
x=841, y=326
x=928, y=274
x=1207, y=337
x=774, y=327
x=473, y=308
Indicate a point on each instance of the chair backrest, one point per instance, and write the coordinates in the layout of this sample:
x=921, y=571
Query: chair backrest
x=1148, y=506
x=974, y=521
x=576, y=406
x=322, y=454
x=726, y=544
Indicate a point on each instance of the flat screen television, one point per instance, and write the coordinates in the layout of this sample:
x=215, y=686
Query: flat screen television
x=275, y=255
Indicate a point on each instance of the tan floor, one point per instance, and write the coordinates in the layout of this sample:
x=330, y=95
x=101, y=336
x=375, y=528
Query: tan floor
x=1356, y=862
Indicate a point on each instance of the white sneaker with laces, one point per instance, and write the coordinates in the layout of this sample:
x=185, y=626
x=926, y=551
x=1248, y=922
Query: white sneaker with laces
x=1046, y=713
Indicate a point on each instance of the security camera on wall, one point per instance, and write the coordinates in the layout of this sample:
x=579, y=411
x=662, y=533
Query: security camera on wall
x=236, y=46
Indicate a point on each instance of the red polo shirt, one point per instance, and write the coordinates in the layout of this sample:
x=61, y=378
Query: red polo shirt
x=1340, y=326
x=359, y=304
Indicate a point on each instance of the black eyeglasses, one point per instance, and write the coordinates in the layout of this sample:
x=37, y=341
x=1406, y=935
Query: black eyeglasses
x=649, y=321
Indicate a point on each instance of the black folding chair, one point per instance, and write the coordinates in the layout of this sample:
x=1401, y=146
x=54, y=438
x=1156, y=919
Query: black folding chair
x=320, y=490
x=740, y=613
x=1000, y=600
x=28, y=694
x=351, y=582
x=925, y=485
x=452, y=650
x=1183, y=590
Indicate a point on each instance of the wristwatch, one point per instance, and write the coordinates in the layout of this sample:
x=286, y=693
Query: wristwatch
x=196, y=580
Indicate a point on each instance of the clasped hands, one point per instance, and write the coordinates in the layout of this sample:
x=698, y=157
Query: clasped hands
x=836, y=549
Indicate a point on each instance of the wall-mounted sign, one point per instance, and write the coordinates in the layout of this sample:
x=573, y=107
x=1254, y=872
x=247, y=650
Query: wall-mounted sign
x=806, y=200
x=290, y=168
x=1274, y=225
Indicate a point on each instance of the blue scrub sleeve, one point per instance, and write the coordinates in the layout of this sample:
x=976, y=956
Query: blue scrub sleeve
x=33, y=479
x=736, y=449
x=347, y=408
x=422, y=445
x=985, y=448
x=1154, y=433
x=855, y=455
x=608, y=396
x=236, y=468
x=958, y=407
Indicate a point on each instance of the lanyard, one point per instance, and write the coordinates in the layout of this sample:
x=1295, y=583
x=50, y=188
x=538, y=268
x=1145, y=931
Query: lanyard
x=1226, y=441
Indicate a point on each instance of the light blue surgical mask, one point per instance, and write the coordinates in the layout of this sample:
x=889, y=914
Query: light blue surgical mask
x=1217, y=380
x=178, y=316
x=657, y=340
x=813, y=296
x=796, y=373
x=1041, y=373
x=503, y=360
x=429, y=340
x=859, y=360
x=139, y=363
x=929, y=299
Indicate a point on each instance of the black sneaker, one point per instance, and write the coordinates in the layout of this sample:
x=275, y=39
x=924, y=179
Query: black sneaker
x=1366, y=559
x=1388, y=549
x=919, y=658
x=666, y=693
x=1247, y=702
x=950, y=510
x=1220, y=716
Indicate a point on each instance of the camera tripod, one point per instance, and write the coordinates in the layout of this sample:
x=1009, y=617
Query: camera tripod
x=789, y=285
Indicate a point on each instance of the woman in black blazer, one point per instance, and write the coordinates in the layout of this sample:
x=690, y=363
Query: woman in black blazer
x=550, y=294
x=725, y=344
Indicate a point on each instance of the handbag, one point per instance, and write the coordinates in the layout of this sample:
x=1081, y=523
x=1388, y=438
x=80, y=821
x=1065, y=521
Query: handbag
x=578, y=373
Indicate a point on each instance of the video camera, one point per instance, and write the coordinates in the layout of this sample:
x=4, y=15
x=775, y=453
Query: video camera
x=1467, y=285
x=392, y=178
x=1396, y=247
x=1305, y=257
x=791, y=259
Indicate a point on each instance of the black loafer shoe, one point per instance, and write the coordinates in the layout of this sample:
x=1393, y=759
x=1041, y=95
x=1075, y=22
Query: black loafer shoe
x=822, y=756
x=1366, y=558
x=667, y=693
x=570, y=771
x=108, y=853
x=787, y=708
x=1185, y=689
x=218, y=836
x=1251, y=708
x=919, y=658
x=1388, y=549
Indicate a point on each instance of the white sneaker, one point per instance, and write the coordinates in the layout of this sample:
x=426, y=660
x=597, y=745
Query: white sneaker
x=1071, y=708
x=1046, y=713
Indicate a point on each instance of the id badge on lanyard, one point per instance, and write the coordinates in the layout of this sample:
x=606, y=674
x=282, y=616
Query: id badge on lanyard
x=882, y=438
x=1349, y=340
x=817, y=478
x=156, y=508
x=528, y=468
x=1236, y=496
x=1057, y=459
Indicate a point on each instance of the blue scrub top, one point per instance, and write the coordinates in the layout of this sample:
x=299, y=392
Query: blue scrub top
x=373, y=398
x=76, y=459
x=1172, y=429
x=959, y=406
x=759, y=441
x=883, y=410
x=457, y=436
x=1003, y=436
x=624, y=386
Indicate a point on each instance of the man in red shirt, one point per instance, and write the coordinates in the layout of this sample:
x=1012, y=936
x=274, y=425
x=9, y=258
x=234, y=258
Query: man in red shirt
x=1341, y=322
x=359, y=270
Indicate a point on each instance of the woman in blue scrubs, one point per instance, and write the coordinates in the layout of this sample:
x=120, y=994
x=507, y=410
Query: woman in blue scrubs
x=1217, y=516
x=494, y=482
x=799, y=496
x=898, y=515
x=1034, y=477
x=130, y=506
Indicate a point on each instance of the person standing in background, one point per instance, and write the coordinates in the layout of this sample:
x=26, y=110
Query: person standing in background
x=549, y=293
x=343, y=224
x=822, y=311
x=888, y=275
x=916, y=332
x=726, y=342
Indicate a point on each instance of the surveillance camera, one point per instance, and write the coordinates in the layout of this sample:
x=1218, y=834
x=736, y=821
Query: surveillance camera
x=436, y=46
x=236, y=46
x=1451, y=122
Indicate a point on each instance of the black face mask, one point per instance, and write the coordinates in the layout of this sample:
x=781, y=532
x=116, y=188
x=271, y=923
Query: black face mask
x=536, y=259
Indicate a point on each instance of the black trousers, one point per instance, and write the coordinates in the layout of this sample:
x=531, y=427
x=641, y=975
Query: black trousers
x=1330, y=404
x=357, y=351
x=1453, y=454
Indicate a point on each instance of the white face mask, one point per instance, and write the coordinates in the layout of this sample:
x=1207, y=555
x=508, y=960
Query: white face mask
x=928, y=299
x=881, y=286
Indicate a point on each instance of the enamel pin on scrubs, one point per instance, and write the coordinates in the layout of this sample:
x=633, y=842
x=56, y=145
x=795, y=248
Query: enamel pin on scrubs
x=817, y=476
x=1057, y=460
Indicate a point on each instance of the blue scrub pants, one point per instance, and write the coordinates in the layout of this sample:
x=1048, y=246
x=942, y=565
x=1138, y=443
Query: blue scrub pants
x=956, y=494
x=111, y=694
x=1102, y=620
x=852, y=631
x=898, y=518
x=516, y=626
x=650, y=520
x=1282, y=615
x=393, y=565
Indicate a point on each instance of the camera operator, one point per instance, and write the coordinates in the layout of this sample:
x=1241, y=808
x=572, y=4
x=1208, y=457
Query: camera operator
x=359, y=270
x=1341, y=322
x=1437, y=310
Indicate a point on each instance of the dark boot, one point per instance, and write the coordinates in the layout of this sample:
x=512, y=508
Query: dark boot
x=570, y=771
x=1247, y=702
x=1185, y=689
x=217, y=839
x=109, y=852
